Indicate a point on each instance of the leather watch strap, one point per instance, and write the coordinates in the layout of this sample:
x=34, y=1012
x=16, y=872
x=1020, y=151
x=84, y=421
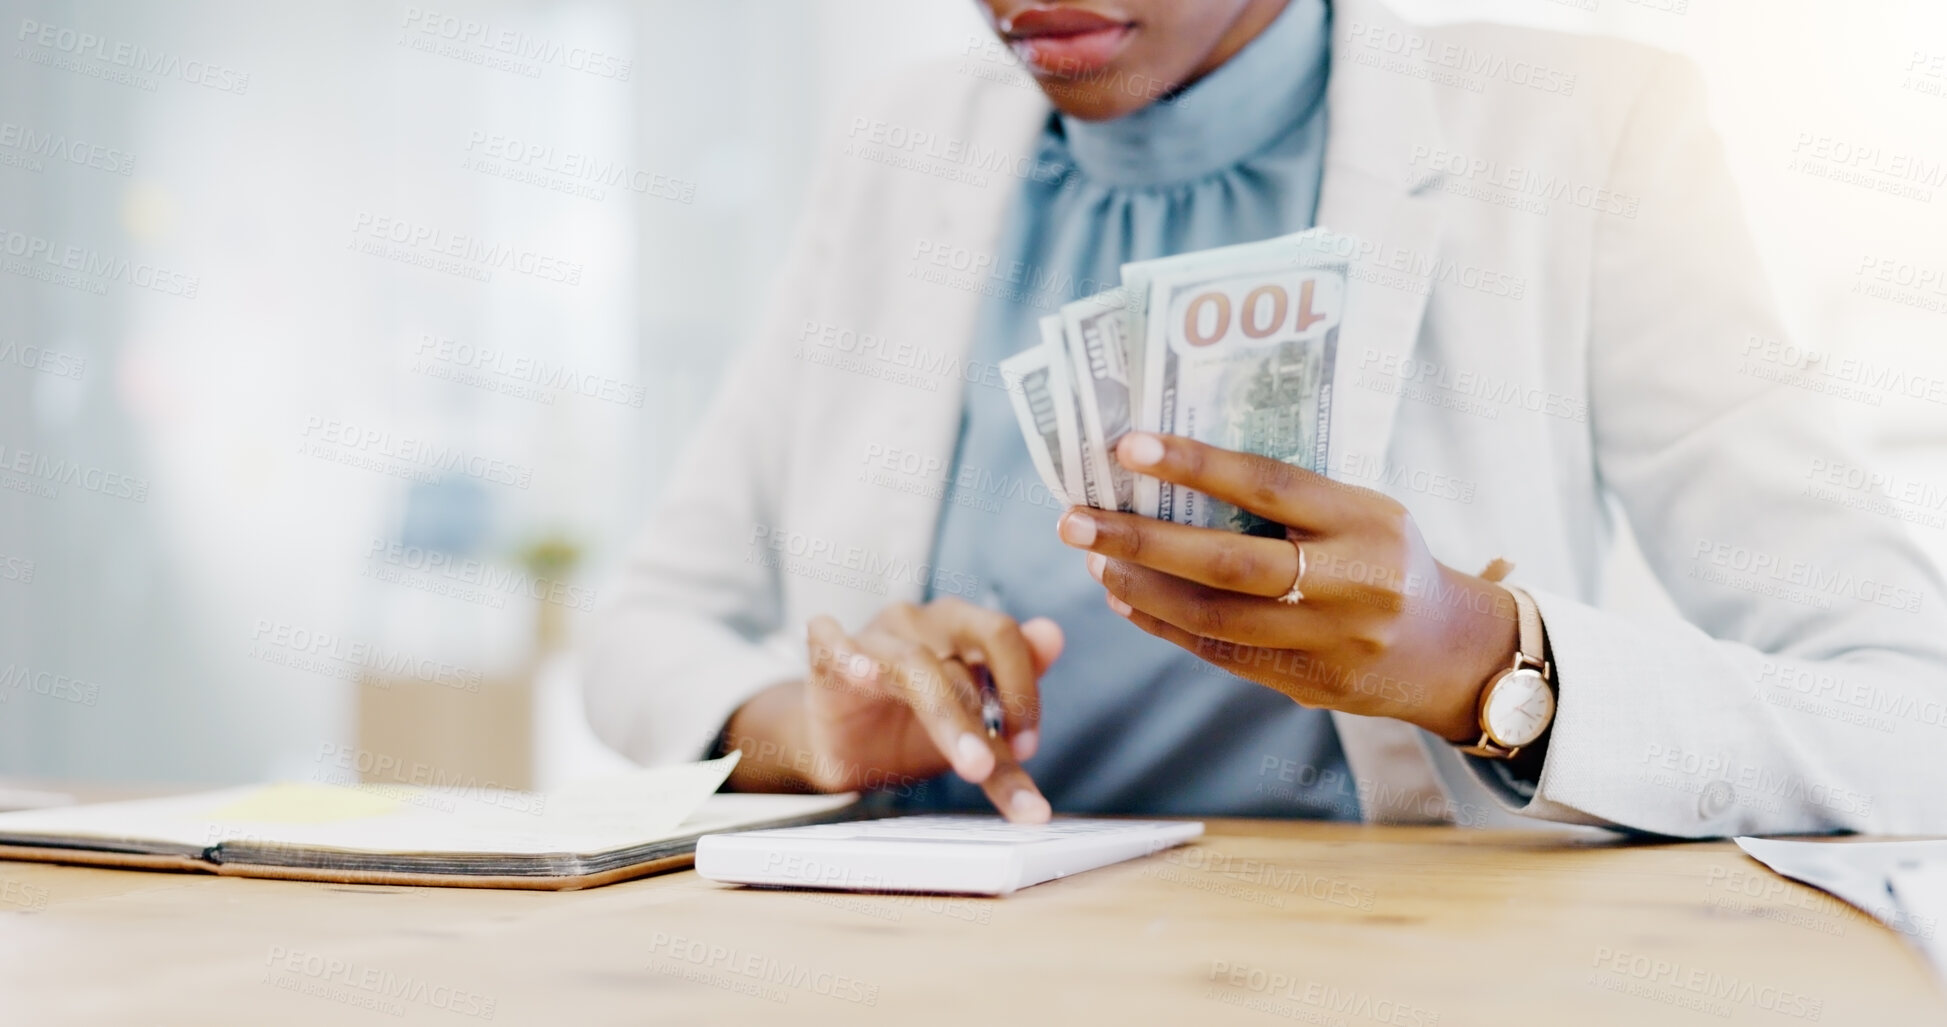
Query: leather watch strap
x=1530, y=639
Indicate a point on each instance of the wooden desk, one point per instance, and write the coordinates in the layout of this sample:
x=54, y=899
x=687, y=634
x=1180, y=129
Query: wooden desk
x=1261, y=922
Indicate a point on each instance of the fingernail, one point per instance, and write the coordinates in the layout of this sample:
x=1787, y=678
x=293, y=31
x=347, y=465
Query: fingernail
x=975, y=759
x=1026, y=744
x=857, y=667
x=1096, y=561
x=1119, y=606
x=1141, y=450
x=1078, y=529
x=1029, y=807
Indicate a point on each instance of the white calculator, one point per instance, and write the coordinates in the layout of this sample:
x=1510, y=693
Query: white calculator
x=953, y=854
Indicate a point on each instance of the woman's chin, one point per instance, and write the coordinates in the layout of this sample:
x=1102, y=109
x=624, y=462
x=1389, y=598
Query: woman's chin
x=1091, y=100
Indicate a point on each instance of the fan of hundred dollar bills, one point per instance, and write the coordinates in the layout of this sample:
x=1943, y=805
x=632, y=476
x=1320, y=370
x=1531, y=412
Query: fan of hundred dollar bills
x=1233, y=347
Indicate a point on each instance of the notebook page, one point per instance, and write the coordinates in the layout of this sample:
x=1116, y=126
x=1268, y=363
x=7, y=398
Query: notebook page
x=630, y=809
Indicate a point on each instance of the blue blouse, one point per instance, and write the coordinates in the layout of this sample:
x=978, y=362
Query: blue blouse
x=1130, y=723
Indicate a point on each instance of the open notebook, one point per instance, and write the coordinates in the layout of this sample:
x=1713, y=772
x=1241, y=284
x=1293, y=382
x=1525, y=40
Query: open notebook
x=578, y=837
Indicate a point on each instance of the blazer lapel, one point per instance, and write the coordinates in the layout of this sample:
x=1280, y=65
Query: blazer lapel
x=1397, y=229
x=961, y=218
x=1374, y=191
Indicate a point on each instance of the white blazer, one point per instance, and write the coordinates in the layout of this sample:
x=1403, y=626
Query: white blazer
x=1558, y=305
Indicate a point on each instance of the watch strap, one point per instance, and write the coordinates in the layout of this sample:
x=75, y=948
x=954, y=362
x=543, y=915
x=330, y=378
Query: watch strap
x=1530, y=652
x=1531, y=639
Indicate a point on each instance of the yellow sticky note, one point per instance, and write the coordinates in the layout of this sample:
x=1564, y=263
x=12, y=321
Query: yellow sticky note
x=300, y=803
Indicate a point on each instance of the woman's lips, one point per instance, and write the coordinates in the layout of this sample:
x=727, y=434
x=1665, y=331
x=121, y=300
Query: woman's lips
x=1066, y=41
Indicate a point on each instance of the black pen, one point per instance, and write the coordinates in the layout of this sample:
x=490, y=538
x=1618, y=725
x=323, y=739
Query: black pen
x=990, y=702
x=991, y=713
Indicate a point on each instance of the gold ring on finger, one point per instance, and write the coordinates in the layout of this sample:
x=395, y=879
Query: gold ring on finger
x=1295, y=595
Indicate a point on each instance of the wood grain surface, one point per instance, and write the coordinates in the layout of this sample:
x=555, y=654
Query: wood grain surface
x=1260, y=922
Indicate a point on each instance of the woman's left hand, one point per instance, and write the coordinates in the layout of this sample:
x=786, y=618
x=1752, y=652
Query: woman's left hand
x=1383, y=628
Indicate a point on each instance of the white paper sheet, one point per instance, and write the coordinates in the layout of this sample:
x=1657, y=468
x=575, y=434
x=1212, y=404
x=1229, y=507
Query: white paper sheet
x=1901, y=884
x=1921, y=889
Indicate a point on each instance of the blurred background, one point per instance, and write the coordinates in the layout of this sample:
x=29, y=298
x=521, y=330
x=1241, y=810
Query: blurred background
x=342, y=352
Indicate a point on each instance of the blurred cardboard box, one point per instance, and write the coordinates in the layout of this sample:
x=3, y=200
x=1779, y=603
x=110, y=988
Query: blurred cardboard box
x=477, y=735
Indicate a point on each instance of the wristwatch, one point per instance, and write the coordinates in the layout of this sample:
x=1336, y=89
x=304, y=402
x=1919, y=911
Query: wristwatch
x=1518, y=705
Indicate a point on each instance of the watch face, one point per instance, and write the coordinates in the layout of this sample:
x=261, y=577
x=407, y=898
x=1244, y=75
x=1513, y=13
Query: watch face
x=1518, y=709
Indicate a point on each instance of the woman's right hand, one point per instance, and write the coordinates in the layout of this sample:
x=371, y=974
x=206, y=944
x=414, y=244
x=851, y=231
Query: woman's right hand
x=896, y=702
